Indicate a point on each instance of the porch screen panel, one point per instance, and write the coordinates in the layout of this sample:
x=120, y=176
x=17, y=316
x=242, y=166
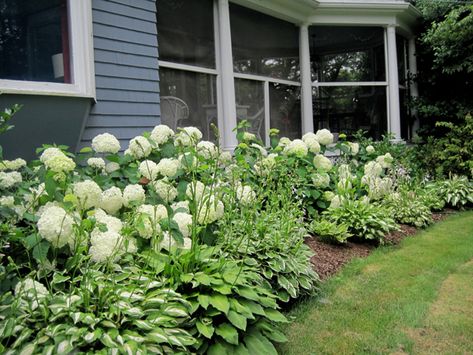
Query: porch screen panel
x=249, y=95
x=285, y=109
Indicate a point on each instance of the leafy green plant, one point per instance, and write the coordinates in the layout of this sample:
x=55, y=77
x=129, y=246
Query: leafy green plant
x=330, y=231
x=408, y=208
x=457, y=191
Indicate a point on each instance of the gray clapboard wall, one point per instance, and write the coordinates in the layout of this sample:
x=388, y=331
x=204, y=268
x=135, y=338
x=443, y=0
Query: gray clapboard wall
x=126, y=69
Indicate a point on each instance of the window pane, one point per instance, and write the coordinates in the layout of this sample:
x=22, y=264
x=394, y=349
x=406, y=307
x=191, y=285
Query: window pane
x=264, y=45
x=349, y=109
x=347, y=54
x=186, y=32
x=401, y=59
x=250, y=104
x=188, y=99
x=285, y=109
x=34, y=41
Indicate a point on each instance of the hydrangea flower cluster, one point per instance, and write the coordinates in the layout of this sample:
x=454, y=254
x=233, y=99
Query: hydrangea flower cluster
x=165, y=190
x=96, y=163
x=133, y=194
x=106, y=143
x=245, y=194
x=310, y=139
x=297, y=148
x=207, y=150
x=56, y=226
x=148, y=169
x=168, y=167
x=12, y=164
x=188, y=136
x=323, y=163
x=161, y=134
x=324, y=137
x=10, y=179
x=148, y=220
x=88, y=194
x=139, y=148
x=111, y=200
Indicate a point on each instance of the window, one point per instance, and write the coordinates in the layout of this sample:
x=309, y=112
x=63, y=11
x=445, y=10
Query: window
x=37, y=39
x=266, y=68
x=188, y=75
x=349, y=79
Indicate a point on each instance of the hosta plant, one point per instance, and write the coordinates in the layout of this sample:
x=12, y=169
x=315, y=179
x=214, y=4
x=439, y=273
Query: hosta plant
x=457, y=191
x=330, y=231
x=408, y=208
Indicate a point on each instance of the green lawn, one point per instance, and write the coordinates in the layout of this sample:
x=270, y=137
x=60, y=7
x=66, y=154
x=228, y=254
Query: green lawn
x=416, y=298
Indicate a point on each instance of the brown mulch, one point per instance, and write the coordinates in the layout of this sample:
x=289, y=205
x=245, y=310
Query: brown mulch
x=329, y=258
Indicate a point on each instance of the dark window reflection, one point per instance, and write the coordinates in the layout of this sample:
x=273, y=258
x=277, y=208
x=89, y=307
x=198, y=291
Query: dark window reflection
x=401, y=59
x=186, y=32
x=249, y=95
x=348, y=109
x=34, y=41
x=347, y=54
x=264, y=45
x=285, y=109
x=188, y=99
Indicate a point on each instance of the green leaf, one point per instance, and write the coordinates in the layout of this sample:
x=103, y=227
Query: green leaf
x=275, y=316
x=217, y=349
x=207, y=330
x=227, y=332
x=220, y=302
x=204, y=301
x=86, y=150
x=248, y=293
x=258, y=344
x=237, y=320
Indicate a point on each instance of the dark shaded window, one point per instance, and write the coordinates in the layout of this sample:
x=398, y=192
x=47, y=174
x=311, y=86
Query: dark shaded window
x=264, y=45
x=34, y=40
x=285, y=105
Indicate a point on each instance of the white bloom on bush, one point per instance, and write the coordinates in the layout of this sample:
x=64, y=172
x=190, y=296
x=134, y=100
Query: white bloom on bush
x=344, y=184
x=245, y=194
x=187, y=245
x=378, y=187
x=248, y=137
x=111, y=200
x=139, y=147
x=112, y=223
x=321, y=180
x=12, y=164
x=167, y=242
x=324, y=137
x=88, y=194
x=310, y=139
x=183, y=206
x=354, y=148
x=187, y=161
x=161, y=134
x=168, y=167
x=365, y=200
x=370, y=149
x=112, y=167
x=60, y=164
x=207, y=150
x=261, y=149
x=32, y=291
x=150, y=216
x=210, y=210
x=322, y=163
x=148, y=169
x=283, y=142
x=56, y=226
x=96, y=163
x=49, y=153
x=336, y=201
x=184, y=221
x=188, y=136
x=373, y=168
x=264, y=166
x=7, y=201
x=165, y=190
x=106, y=246
x=105, y=143
x=344, y=171
x=225, y=157
x=297, y=147
x=133, y=194
x=10, y=179
x=385, y=160
x=196, y=190
x=328, y=196
x=43, y=208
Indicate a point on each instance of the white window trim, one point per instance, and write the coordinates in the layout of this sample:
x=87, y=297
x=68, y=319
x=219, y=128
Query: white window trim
x=82, y=60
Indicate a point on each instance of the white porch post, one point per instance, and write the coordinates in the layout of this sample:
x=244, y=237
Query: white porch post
x=229, y=141
x=394, y=124
x=412, y=83
x=306, y=81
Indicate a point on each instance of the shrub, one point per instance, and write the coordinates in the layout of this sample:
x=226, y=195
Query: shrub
x=457, y=191
x=329, y=231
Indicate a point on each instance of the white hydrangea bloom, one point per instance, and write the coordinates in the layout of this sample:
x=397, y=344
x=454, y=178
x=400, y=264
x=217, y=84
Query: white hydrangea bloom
x=226, y=157
x=7, y=201
x=297, y=147
x=148, y=169
x=184, y=221
x=310, y=139
x=168, y=167
x=168, y=242
x=187, y=244
x=106, y=246
x=370, y=149
x=207, y=150
x=165, y=190
x=344, y=171
x=161, y=134
x=373, y=168
x=321, y=180
x=378, y=187
x=9, y=179
x=344, y=184
x=88, y=194
x=323, y=163
x=248, y=137
x=262, y=150
x=283, y=142
x=112, y=223
x=32, y=291
x=188, y=136
x=133, y=194
x=210, y=210
x=139, y=147
x=354, y=148
x=385, y=160
x=324, y=136
x=56, y=226
x=111, y=167
x=328, y=196
x=12, y=164
x=60, y=164
x=150, y=216
x=105, y=143
x=196, y=190
x=49, y=153
x=336, y=201
x=182, y=205
x=111, y=200
x=96, y=163
x=245, y=194
x=43, y=208
x=187, y=161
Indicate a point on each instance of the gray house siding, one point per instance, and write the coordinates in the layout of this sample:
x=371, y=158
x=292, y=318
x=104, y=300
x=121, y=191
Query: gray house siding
x=126, y=69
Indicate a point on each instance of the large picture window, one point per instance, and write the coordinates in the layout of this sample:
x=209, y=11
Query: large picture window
x=34, y=41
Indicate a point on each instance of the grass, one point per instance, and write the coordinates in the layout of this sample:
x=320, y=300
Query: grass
x=415, y=298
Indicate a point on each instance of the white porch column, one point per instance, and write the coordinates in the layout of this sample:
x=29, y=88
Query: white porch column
x=306, y=81
x=394, y=124
x=412, y=83
x=229, y=141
